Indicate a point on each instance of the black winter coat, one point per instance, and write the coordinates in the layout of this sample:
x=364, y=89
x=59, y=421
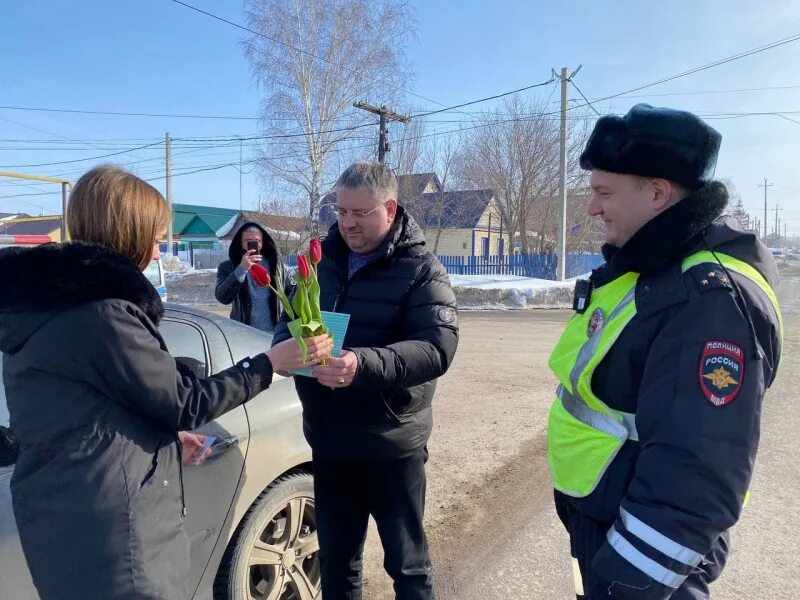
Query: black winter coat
x=230, y=290
x=96, y=401
x=403, y=329
x=687, y=476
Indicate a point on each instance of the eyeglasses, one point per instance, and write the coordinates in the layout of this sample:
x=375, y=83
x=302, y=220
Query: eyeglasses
x=357, y=215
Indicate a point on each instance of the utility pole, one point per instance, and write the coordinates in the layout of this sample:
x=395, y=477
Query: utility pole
x=777, y=229
x=240, y=174
x=169, y=192
x=562, y=179
x=765, y=186
x=385, y=115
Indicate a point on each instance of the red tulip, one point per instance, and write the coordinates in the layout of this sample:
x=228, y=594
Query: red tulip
x=260, y=275
x=315, y=251
x=303, y=270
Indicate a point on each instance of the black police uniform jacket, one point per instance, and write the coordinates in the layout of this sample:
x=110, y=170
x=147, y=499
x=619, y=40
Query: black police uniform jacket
x=688, y=475
x=403, y=329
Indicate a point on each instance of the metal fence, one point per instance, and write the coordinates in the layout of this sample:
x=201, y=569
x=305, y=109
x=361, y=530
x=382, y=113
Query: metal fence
x=540, y=266
x=208, y=259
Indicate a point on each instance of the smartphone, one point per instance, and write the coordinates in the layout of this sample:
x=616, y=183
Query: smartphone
x=220, y=445
x=252, y=245
x=203, y=453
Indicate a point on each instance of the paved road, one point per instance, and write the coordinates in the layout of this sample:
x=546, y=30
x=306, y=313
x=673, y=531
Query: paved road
x=527, y=556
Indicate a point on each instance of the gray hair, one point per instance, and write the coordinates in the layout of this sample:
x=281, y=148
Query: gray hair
x=376, y=177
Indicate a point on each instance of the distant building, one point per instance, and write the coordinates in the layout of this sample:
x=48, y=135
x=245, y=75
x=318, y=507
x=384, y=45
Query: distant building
x=26, y=225
x=290, y=233
x=456, y=223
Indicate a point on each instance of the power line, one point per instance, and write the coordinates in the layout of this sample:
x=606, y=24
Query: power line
x=42, y=131
x=522, y=89
x=585, y=98
x=280, y=135
x=29, y=194
x=126, y=114
x=716, y=63
x=727, y=91
x=77, y=160
x=235, y=139
x=296, y=49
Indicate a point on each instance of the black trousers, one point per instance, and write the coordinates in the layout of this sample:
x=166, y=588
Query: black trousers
x=393, y=492
x=587, y=535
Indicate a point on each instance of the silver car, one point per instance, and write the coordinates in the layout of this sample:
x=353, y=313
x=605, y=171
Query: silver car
x=251, y=520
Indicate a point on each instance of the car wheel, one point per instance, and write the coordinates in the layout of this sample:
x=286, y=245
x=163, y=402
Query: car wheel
x=274, y=554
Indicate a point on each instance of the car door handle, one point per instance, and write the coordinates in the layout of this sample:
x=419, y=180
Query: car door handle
x=222, y=445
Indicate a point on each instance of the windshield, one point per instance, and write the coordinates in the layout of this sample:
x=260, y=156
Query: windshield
x=153, y=272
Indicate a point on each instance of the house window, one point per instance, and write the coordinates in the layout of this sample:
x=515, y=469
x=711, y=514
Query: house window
x=464, y=246
x=485, y=246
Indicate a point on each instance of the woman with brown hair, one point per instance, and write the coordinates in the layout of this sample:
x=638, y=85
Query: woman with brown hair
x=96, y=401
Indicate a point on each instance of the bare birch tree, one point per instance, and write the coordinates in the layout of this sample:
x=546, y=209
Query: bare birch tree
x=515, y=152
x=313, y=59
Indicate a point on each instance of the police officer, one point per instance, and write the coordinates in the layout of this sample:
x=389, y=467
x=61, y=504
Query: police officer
x=663, y=367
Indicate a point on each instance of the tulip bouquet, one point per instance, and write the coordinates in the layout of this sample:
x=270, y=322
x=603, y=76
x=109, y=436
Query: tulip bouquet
x=303, y=309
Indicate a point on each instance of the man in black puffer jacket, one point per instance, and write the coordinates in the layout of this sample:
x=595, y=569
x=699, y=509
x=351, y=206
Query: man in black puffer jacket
x=368, y=415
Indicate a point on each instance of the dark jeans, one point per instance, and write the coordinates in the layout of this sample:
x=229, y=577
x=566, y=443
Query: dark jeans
x=393, y=492
x=587, y=535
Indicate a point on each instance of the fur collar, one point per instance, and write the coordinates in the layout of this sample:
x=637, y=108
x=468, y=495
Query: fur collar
x=669, y=236
x=56, y=277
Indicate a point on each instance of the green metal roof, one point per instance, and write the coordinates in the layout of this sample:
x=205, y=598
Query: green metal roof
x=208, y=210
x=180, y=221
x=191, y=219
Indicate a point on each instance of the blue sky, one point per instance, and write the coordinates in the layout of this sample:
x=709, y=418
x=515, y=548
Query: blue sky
x=158, y=57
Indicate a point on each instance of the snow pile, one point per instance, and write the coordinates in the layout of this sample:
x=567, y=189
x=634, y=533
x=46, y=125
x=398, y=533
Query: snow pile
x=504, y=292
x=173, y=264
x=473, y=292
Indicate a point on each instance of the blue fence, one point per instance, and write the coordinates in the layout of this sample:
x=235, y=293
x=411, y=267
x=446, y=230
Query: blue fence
x=540, y=266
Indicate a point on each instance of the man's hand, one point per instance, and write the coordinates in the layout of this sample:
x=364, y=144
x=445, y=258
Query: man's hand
x=339, y=373
x=250, y=258
x=192, y=444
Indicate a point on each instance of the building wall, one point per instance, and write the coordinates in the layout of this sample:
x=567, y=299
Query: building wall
x=458, y=242
x=452, y=242
x=482, y=230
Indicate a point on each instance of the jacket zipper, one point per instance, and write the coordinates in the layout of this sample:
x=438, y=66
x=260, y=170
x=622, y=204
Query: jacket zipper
x=184, y=511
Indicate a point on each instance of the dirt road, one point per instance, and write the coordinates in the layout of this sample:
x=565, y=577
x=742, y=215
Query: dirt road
x=492, y=528
x=493, y=531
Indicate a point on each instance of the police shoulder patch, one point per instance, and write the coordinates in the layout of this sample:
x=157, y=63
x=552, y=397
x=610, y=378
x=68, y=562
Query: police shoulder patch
x=721, y=371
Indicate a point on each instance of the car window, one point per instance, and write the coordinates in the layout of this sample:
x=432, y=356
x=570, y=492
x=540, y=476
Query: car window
x=186, y=343
x=153, y=273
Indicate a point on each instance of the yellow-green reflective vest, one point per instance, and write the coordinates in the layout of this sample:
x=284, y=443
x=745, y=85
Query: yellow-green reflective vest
x=583, y=433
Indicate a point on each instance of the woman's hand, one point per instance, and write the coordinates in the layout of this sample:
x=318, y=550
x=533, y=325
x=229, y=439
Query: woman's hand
x=286, y=356
x=192, y=445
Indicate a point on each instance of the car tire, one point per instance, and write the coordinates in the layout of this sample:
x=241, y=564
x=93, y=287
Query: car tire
x=274, y=554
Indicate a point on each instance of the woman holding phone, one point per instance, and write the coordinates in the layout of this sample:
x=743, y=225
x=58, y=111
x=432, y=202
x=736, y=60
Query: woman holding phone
x=96, y=401
x=252, y=304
